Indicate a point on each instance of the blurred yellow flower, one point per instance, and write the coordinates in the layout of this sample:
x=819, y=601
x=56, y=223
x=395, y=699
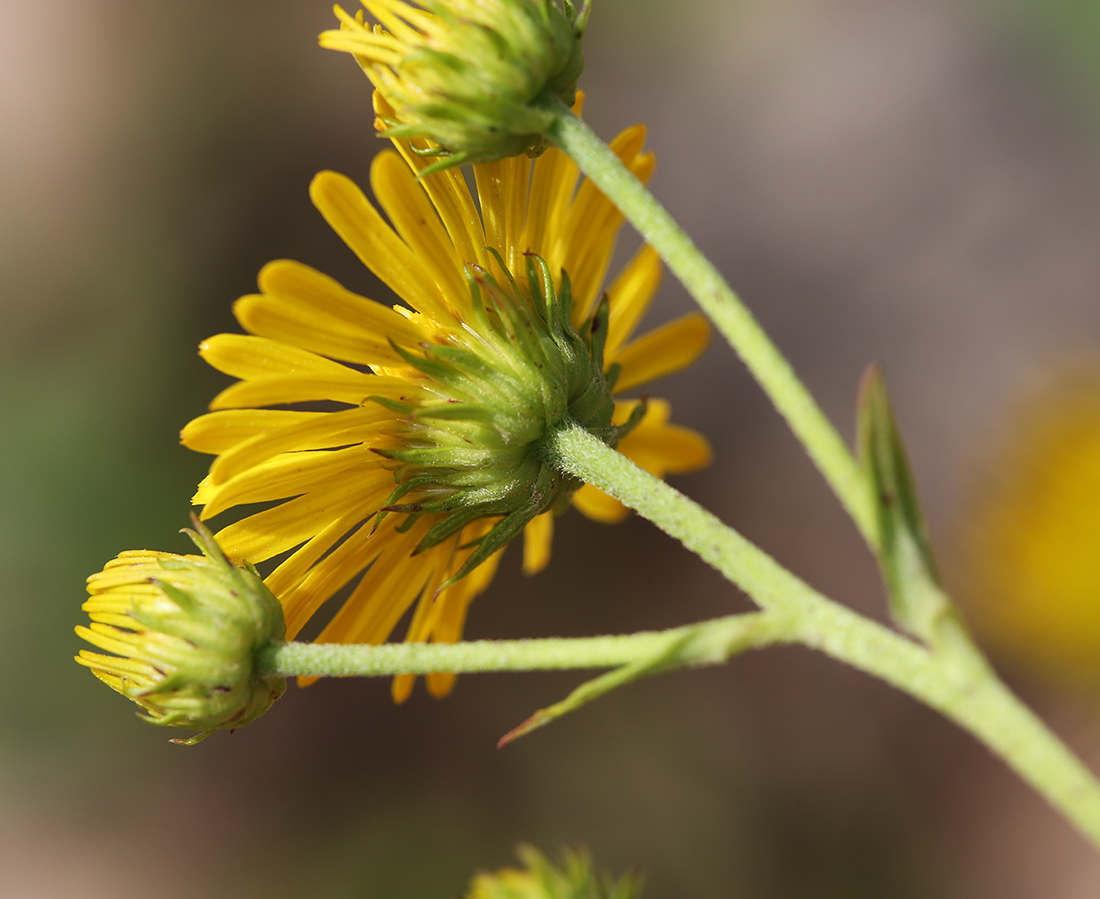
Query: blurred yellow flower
x=425, y=460
x=1034, y=542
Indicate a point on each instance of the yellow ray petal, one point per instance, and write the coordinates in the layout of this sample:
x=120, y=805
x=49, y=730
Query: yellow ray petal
x=401, y=687
x=663, y=449
x=292, y=474
x=351, y=215
x=102, y=587
x=203, y=492
x=286, y=319
x=597, y=505
x=114, y=574
x=449, y=195
x=412, y=214
x=629, y=298
x=108, y=638
x=291, y=572
x=553, y=183
x=424, y=625
x=537, y=537
x=449, y=623
x=333, y=429
x=387, y=589
x=318, y=291
x=115, y=664
x=553, y=180
x=273, y=531
x=428, y=610
x=661, y=352
x=449, y=630
x=394, y=16
x=441, y=683
x=587, y=237
x=121, y=619
x=502, y=190
x=304, y=308
x=217, y=432
x=366, y=548
x=457, y=598
x=349, y=386
x=255, y=357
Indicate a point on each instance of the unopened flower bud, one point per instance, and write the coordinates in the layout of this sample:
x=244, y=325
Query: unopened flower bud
x=465, y=73
x=185, y=632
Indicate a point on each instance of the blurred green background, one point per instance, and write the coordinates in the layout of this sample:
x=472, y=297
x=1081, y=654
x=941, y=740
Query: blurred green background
x=916, y=182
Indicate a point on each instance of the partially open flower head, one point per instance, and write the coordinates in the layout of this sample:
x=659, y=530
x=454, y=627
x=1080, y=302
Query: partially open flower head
x=466, y=73
x=541, y=878
x=184, y=632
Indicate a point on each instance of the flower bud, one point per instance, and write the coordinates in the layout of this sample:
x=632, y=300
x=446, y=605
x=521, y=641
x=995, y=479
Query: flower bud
x=465, y=73
x=185, y=632
x=574, y=878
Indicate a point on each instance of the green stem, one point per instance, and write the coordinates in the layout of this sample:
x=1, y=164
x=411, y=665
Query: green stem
x=732, y=318
x=960, y=686
x=706, y=643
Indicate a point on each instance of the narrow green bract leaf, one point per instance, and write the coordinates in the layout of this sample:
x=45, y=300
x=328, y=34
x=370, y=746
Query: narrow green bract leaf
x=708, y=643
x=917, y=602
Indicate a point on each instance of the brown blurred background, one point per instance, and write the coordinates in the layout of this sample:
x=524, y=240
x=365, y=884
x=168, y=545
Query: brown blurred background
x=915, y=182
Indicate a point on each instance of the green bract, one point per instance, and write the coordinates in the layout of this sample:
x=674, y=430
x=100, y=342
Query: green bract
x=465, y=73
x=185, y=632
x=477, y=452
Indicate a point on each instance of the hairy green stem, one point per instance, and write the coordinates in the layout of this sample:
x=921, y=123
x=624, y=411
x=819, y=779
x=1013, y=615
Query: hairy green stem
x=705, y=643
x=960, y=686
x=732, y=318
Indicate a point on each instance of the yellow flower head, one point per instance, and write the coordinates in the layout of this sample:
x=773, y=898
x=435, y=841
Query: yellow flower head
x=466, y=73
x=426, y=460
x=185, y=631
x=1034, y=547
